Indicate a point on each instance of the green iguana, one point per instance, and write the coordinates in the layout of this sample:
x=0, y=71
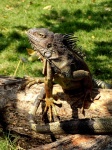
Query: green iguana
x=63, y=64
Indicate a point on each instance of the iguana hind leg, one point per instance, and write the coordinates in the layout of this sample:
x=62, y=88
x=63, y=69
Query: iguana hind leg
x=86, y=79
x=34, y=107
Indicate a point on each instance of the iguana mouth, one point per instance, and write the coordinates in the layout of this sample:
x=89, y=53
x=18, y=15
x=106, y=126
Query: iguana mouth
x=33, y=40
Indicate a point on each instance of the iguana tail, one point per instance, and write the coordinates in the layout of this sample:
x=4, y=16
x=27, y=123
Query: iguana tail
x=101, y=84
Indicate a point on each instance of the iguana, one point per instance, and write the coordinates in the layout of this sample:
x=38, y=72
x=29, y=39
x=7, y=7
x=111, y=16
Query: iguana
x=63, y=64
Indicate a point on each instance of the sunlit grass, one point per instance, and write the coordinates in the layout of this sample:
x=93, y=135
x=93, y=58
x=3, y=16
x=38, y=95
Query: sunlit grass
x=89, y=20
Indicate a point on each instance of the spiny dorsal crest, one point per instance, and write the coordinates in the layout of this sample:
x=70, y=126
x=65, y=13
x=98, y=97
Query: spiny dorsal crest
x=71, y=42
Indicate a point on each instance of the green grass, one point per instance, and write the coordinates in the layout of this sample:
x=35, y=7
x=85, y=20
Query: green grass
x=6, y=143
x=90, y=21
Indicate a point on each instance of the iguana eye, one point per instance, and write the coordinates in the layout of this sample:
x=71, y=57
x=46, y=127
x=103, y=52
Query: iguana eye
x=49, y=45
x=42, y=35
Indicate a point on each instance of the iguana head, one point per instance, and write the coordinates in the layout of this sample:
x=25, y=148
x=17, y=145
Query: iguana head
x=59, y=49
x=41, y=39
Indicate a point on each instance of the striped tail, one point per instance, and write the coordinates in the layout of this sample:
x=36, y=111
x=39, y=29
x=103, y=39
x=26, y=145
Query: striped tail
x=101, y=84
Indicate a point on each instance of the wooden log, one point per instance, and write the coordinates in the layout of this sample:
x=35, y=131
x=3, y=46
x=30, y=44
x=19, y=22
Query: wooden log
x=16, y=101
x=78, y=142
x=75, y=126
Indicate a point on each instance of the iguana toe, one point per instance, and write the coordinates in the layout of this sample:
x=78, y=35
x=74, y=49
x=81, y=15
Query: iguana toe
x=51, y=109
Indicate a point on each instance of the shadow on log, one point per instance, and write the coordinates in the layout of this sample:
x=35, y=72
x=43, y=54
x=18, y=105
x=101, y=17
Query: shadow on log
x=16, y=101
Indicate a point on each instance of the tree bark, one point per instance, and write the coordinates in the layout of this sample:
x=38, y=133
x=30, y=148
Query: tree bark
x=16, y=100
x=78, y=142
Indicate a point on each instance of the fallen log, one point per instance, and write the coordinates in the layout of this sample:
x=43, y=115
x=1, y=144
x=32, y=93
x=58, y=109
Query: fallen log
x=75, y=126
x=16, y=101
x=78, y=142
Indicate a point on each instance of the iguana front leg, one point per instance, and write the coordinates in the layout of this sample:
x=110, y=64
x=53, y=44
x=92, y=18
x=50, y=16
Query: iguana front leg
x=49, y=101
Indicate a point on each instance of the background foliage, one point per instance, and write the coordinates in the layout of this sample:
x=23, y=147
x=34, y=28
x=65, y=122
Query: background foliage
x=90, y=20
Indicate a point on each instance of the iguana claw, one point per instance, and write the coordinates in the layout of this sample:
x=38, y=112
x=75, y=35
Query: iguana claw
x=50, y=108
